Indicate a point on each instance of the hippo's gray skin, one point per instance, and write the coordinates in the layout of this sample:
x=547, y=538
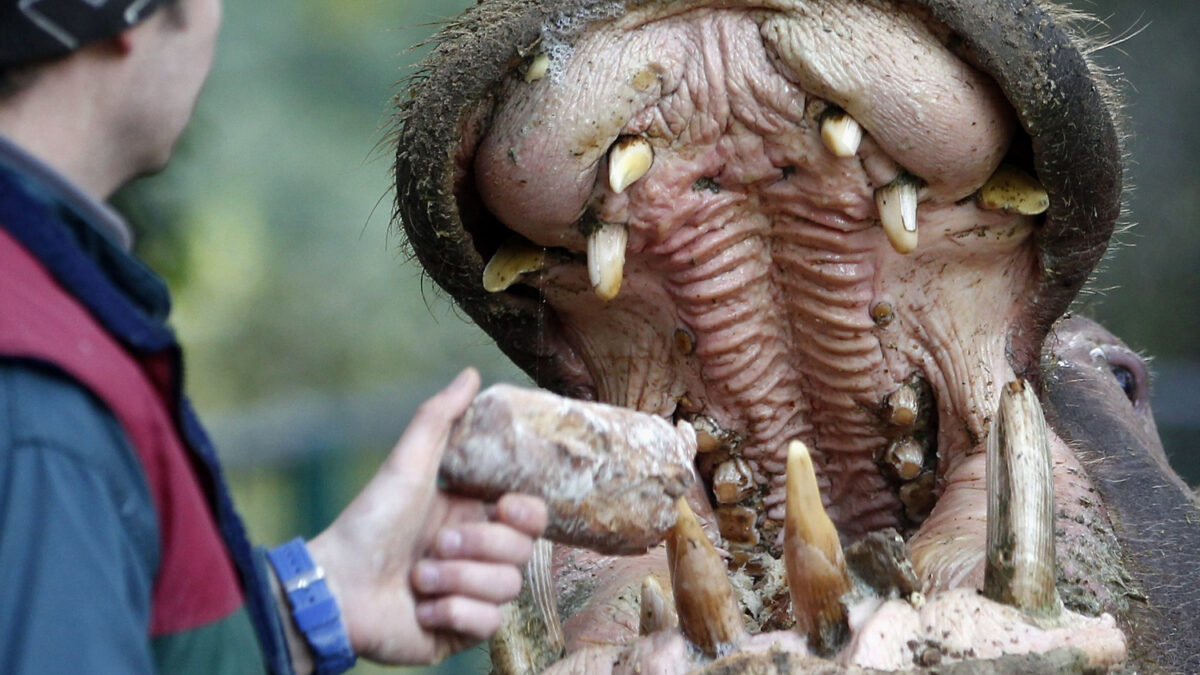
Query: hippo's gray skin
x=1097, y=394
x=507, y=133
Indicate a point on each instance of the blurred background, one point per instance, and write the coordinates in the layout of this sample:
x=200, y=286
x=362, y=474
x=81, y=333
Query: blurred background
x=311, y=337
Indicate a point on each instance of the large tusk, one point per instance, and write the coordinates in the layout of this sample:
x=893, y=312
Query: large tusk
x=812, y=554
x=606, y=259
x=704, y=599
x=1020, y=569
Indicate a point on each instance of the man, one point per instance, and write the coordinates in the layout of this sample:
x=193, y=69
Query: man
x=119, y=548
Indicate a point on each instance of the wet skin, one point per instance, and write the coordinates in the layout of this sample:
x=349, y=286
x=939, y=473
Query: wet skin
x=497, y=146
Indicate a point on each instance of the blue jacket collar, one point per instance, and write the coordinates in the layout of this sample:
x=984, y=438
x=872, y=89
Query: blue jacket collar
x=99, y=215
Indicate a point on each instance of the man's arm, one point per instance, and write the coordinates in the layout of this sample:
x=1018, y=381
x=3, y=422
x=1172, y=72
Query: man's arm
x=419, y=573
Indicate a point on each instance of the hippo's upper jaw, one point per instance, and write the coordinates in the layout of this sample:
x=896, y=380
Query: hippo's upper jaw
x=846, y=223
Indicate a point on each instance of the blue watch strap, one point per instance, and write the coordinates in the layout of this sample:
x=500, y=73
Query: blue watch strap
x=314, y=608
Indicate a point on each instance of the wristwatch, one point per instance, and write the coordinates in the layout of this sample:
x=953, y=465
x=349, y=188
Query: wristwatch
x=314, y=609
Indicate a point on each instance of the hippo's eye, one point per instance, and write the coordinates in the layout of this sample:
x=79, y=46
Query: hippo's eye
x=1127, y=380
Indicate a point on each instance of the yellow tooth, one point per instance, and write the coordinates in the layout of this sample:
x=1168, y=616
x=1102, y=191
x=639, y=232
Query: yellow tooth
x=710, y=437
x=841, y=133
x=515, y=258
x=1011, y=189
x=1020, y=568
x=606, y=259
x=732, y=481
x=657, y=613
x=704, y=599
x=537, y=68
x=906, y=457
x=629, y=160
x=897, y=204
x=812, y=555
x=902, y=406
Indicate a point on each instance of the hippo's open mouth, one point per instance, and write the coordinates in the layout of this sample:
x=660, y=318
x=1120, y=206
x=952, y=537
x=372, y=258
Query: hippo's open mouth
x=845, y=223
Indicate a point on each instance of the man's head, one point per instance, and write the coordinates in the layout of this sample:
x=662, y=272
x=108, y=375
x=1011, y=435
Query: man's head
x=35, y=33
x=103, y=89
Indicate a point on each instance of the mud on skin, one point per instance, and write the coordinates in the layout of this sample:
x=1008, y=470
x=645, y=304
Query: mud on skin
x=833, y=237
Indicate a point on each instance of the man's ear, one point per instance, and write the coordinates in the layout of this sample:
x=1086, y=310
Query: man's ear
x=123, y=42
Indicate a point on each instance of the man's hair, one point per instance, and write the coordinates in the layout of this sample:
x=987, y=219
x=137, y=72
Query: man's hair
x=15, y=78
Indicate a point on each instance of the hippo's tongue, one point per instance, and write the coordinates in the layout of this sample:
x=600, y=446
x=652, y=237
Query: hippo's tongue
x=784, y=221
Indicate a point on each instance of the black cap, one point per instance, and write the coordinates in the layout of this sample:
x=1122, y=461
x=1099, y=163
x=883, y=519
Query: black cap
x=34, y=30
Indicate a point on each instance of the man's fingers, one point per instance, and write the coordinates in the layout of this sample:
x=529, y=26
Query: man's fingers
x=489, y=582
x=484, y=542
x=470, y=618
x=420, y=448
x=523, y=512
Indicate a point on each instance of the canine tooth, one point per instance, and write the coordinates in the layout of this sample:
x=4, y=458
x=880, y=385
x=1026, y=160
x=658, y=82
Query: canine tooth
x=629, y=160
x=902, y=406
x=1020, y=568
x=906, y=457
x=732, y=481
x=704, y=599
x=515, y=258
x=538, y=68
x=841, y=133
x=897, y=204
x=606, y=259
x=1011, y=189
x=812, y=554
x=657, y=612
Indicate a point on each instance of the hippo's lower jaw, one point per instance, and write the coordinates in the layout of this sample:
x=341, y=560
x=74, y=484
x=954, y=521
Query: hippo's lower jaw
x=849, y=224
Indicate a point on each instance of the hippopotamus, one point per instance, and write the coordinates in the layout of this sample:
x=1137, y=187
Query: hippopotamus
x=839, y=241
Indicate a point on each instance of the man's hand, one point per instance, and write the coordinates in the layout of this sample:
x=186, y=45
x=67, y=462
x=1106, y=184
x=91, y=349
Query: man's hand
x=421, y=574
